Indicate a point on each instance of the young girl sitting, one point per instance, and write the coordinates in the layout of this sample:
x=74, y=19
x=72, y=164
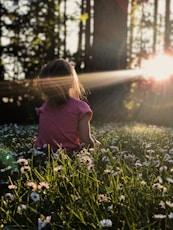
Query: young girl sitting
x=64, y=119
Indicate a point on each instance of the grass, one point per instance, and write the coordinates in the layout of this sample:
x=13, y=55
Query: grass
x=126, y=183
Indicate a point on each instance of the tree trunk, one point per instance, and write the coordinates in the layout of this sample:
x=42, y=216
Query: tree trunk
x=110, y=35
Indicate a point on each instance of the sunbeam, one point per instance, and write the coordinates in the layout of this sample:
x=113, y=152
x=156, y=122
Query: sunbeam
x=102, y=79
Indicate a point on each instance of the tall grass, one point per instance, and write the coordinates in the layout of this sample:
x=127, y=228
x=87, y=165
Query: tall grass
x=126, y=183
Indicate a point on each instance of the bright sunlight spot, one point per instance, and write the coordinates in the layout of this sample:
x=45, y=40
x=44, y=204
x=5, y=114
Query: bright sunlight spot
x=159, y=67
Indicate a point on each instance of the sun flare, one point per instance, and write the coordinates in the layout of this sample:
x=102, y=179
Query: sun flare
x=159, y=67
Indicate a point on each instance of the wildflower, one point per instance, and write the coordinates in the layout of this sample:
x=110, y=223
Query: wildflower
x=138, y=164
x=167, y=157
x=162, y=204
x=106, y=223
x=103, y=150
x=9, y=196
x=22, y=161
x=105, y=159
x=143, y=182
x=6, y=169
x=42, y=221
x=159, y=216
x=25, y=169
x=110, y=207
x=114, y=148
x=32, y=185
x=107, y=171
x=35, y=196
x=122, y=198
x=103, y=198
x=170, y=216
x=158, y=186
x=58, y=168
x=20, y=208
x=163, y=168
x=43, y=185
x=12, y=186
x=169, y=204
x=170, y=180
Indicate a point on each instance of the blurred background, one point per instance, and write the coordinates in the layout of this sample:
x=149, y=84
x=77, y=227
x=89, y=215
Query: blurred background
x=122, y=51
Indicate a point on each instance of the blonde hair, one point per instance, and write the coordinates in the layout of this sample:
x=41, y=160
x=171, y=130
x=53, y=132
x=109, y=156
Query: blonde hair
x=58, y=80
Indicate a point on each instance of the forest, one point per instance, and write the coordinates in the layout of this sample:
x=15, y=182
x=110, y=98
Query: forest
x=101, y=37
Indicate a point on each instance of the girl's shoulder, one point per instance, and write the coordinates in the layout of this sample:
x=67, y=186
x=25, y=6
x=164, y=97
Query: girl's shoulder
x=78, y=102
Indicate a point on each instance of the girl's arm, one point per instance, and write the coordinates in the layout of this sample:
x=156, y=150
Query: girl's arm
x=85, y=132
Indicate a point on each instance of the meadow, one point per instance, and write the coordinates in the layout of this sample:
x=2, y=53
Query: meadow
x=124, y=184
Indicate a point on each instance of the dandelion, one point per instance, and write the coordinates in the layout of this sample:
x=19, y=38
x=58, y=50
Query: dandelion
x=32, y=185
x=35, y=196
x=43, y=185
x=159, y=216
x=106, y=223
x=25, y=169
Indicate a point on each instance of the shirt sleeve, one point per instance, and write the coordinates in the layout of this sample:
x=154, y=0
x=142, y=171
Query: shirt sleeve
x=83, y=109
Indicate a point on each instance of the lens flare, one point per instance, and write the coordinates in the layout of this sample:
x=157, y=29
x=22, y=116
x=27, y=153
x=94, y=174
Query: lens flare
x=159, y=68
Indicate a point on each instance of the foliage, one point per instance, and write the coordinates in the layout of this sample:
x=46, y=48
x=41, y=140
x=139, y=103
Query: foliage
x=126, y=183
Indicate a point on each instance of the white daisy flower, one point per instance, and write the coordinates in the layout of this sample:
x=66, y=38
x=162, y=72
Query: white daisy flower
x=32, y=185
x=25, y=169
x=170, y=204
x=159, y=216
x=20, y=208
x=106, y=223
x=170, y=216
x=43, y=185
x=22, y=161
x=42, y=222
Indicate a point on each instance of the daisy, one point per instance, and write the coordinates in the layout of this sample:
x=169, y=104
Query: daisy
x=22, y=161
x=159, y=216
x=25, y=169
x=43, y=185
x=35, y=196
x=106, y=223
x=32, y=185
x=42, y=222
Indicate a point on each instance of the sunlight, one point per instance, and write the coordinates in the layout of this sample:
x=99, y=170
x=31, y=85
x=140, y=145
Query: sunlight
x=159, y=67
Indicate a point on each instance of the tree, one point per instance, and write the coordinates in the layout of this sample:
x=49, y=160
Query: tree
x=110, y=35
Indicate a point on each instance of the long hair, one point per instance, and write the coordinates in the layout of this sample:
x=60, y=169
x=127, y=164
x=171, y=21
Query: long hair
x=58, y=81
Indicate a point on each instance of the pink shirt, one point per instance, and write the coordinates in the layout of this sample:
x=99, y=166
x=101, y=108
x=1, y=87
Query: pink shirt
x=59, y=126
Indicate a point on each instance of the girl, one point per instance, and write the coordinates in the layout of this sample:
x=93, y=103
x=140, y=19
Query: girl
x=64, y=119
